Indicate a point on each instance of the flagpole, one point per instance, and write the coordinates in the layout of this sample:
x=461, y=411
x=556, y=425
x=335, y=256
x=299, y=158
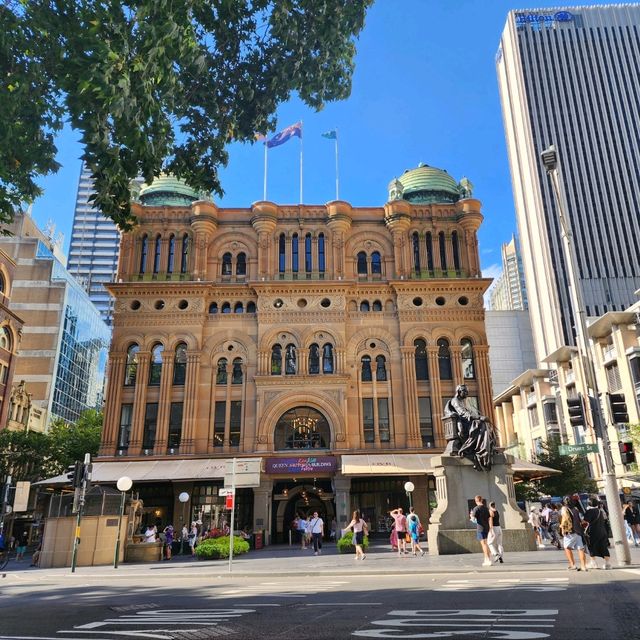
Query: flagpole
x=337, y=173
x=301, y=155
x=264, y=191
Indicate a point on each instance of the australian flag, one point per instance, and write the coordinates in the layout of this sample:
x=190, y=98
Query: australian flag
x=282, y=136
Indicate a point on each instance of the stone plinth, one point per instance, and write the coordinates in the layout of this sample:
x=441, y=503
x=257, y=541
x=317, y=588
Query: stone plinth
x=457, y=482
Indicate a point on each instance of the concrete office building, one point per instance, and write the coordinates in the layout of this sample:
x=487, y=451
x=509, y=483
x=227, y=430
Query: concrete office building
x=571, y=77
x=509, y=292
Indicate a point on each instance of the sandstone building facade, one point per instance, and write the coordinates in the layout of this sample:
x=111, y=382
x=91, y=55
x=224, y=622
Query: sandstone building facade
x=320, y=341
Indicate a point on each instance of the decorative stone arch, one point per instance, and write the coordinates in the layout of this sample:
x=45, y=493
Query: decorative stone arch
x=189, y=339
x=476, y=339
x=234, y=243
x=7, y=282
x=283, y=402
x=369, y=241
x=13, y=335
x=313, y=336
x=417, y=333
x=123, y=344
x=372, y=333
x=275, y=337
x=153, y=339
x=443, y=332
x=217, y=346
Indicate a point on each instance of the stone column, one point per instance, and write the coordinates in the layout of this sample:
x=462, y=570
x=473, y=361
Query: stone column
x=342, y=497
x=411, y=396
x=115, y=378
x=339, y=223
x=139, y=402
x=164, y=404
x=264, y=223
x=436, y=395
x=448, y=246
x=187, y=444
x=303, y=361
x=204, y=223
x=507, y=420
x=340, y=363
x=262, y=499
x=456, y=362
x=481, y=358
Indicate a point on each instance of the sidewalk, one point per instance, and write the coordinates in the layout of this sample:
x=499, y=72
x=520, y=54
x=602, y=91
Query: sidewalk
x=287, y=561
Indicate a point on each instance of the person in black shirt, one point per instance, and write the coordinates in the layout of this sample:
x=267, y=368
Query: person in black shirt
x=480, y=515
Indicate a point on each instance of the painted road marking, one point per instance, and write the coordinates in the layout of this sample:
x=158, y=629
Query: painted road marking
x=507, y=584
x=282, y=589
x=498, y=624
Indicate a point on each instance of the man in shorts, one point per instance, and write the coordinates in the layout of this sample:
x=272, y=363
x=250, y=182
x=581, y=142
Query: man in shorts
x=480, y=514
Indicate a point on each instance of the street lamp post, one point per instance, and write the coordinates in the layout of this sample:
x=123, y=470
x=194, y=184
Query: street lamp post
x=549, y=159
x=409, y=487
x=184, y=498
x=124, y=484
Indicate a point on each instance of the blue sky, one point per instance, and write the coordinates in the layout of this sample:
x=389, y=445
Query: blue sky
x=424, y=90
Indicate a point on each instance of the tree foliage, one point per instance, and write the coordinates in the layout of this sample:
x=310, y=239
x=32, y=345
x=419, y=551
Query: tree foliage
x=31, y=455
x=159, y=85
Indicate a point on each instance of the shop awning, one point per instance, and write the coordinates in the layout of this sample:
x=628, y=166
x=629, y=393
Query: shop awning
x=530, y=471
x=393, y=464
x=150, y=470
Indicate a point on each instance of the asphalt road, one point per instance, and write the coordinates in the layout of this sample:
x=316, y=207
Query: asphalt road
x=517, y=605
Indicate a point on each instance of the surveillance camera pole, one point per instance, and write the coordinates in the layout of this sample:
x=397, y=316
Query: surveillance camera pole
x=549, y=159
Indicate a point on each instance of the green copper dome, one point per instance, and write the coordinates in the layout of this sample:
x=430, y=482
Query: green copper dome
x=168, y=191
x=425, y=184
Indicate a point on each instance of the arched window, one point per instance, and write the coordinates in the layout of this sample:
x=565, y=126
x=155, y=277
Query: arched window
x=236, y=374
x=156, y=254
x=376, y=306
x=241, y=264
x=294, y=253
x=184, y=258
x=381, y=368
x=155, y=368
x=444, y=359
x=221, y=373
x=376, y=263
x=456, y=250
x=213, y=307
x=251, y=307
x=3, y=285
x=290, y=360
x=421, y=361
x=429, y=244
x=365, y=369
x=321, y=254
x=131, y=369
x=314, y=359
x=226, y=264
x=307, y=253
x=443, y=251
x=362, y=263
x=327, y=358
x=239, y=308
x=468, y=366
x=364, y=305
x=172, y=253
x=5, y=339
x=416, y=252
x=302, y=428
x=226, y=307
x=144, y=249
x=180, y=364
x=281, y=253
x=276, y=360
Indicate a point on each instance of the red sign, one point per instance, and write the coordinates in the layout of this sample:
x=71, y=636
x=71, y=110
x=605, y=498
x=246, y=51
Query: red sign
x=229, y=502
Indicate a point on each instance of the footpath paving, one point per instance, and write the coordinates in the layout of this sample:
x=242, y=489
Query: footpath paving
x=289, y=561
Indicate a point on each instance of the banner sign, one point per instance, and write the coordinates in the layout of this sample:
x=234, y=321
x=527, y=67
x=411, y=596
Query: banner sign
x=322, y=464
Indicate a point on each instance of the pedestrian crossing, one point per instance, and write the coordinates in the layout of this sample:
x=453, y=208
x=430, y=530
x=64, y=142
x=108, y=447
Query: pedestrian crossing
x=506, y=584
x=284, y=588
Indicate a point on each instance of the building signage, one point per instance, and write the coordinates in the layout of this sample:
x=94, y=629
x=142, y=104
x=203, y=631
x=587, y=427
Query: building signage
x=577, y=449
x=301, y=465
x=545, y=18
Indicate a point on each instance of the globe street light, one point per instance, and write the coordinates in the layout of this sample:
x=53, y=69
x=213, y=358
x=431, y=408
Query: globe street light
x=409, y=487
x=124, y=484
x=184, y=498
x=549, y=159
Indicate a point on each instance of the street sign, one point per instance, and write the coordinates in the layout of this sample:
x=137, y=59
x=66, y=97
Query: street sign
x=577, y=449
x=229, y=502
x=225, y=492
x=247, y=472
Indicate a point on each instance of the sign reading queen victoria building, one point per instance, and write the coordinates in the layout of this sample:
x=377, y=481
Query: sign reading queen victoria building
x=325, y=464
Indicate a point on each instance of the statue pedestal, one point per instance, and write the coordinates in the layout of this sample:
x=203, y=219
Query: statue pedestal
x=457, y=483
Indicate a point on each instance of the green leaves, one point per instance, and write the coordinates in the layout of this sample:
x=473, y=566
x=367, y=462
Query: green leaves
x=155, y=85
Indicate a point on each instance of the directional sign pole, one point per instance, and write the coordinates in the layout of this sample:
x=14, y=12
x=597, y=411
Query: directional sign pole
x=233, y=509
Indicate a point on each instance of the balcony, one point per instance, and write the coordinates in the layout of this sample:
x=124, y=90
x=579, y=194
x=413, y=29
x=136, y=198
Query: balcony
x=570, y=377
x=532, y=399
x=609, y=353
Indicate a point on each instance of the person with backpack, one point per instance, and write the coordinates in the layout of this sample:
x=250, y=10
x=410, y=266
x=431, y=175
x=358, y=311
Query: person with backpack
x=414, y=526
x=595, y=520
x=572, y=534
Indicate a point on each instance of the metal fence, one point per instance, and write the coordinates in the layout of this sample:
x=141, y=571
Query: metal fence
x=95, y=504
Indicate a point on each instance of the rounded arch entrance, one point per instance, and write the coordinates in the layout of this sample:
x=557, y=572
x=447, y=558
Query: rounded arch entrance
x=302, y=427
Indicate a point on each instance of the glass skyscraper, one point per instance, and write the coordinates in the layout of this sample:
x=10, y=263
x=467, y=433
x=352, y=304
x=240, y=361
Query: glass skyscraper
x=571, y=77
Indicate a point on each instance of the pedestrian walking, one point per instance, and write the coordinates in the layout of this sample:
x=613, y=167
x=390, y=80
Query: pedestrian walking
x=534, y=521
x=168, y=541
x=627, y=514
x=494, y=539
x=193, y=538
x=400, y=526
x=302, y=531
x=596, y=532
x=316, y=526
x=554, y=522
x=413, y=527
x=21, y=549
x=360, y=530
x=480, y=515
x=572, y=534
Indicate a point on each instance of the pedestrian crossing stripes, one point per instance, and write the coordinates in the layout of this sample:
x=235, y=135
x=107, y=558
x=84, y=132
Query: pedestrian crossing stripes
x=283, y=589
x=506, y=584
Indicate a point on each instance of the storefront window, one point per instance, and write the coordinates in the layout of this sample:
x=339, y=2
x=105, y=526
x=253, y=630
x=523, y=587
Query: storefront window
x=302, y=428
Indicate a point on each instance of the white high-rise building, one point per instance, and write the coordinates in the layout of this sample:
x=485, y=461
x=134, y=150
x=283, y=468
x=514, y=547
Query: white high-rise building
x=571, y=77
x=509, y=293
x=93, y=251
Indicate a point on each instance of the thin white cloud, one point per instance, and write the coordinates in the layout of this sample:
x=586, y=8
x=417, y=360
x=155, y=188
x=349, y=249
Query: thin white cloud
x=492, y=271
x=485, y=251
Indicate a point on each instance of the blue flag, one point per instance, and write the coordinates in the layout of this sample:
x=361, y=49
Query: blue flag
x=282, y=136
x=330, y=135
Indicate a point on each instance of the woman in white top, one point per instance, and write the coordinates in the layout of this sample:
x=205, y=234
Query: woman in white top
x=359, y=527
x=150, y=533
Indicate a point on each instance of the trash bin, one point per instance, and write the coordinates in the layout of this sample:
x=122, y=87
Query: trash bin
x=258, y=539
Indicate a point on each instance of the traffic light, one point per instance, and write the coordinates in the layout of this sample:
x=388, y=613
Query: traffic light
x=627, y=454
x=576, y=411
x=619, y=414
x=75, y=474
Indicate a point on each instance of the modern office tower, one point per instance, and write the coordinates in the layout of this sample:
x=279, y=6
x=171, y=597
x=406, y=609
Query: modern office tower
x=93, y=252
x=509, y=293
x=571, y=77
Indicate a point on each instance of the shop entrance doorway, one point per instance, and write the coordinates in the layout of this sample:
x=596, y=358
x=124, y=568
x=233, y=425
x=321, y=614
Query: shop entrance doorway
x=301, y=499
